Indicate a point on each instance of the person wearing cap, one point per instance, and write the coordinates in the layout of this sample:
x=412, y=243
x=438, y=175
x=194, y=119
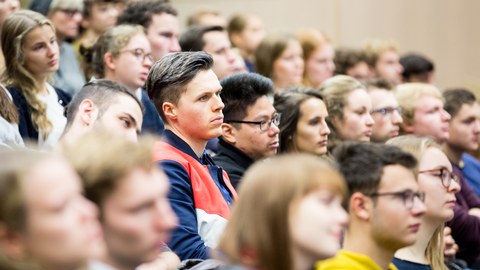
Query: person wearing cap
x=66, y=16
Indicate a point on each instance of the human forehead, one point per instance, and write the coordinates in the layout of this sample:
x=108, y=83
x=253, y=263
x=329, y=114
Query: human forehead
x=396, y=177
x=125, y=104
x=382, y=98
x=263, y=107
x=139, y=40
x=212, y=38
x=313, y=105
x=203, y=82
x=434, y=158
x=426, y=102
x=44, y=31
x=358, y=98
x=164, y=21
x=467, y=110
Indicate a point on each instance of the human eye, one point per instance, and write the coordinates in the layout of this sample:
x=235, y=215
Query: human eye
x=126, y=122
x=203, y=97
x=315, y=121
x=166, y=34
x=38, y=46
x=218, y=93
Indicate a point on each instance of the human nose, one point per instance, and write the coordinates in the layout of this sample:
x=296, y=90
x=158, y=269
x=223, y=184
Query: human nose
x=88, y=209
x=418, y=207
x=165, y=219
x=476, y=127
x=77, y=17
x=325, y=130
x=396, y=118
x=445, y=115
x=14, y=5
x=218, y=103
x=454, y=186
x=273, y=129
x=369, y=120
x=175, y=45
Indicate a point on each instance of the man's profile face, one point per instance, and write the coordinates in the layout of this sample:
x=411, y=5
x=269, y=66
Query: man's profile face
x=162, y=33
x=123, y=117
x=464, y=128
x=386, y=115
x=218, y=45
x=430, y=119
x=388, y=67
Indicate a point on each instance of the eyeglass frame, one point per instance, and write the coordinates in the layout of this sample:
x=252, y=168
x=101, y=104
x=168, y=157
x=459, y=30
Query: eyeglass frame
x=71, y=12
x=276, y=118
x=139, y=52
x=387, y=111
x=407, y=196
x=442, y=170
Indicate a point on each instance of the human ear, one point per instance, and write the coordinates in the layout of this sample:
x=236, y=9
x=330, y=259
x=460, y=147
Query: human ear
x=169, y=110
x=109, y=61
x=359, y=206
x=87, y=112
x=228, y=133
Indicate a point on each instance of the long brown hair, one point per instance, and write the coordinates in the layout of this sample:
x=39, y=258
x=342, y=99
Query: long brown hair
x=7, y=108
x=14, y=30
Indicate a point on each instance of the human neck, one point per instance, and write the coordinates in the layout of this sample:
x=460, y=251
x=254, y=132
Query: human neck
x=416, y=252
x=453, y=154
x=116, y=264
x=301, y=260
x=360, y=242
x=197, y=145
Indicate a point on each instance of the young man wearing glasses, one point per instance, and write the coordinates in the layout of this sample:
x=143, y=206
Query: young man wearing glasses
x=250, y=129
x=186, y=93
x=385, y=112
x=464, y=133
x=385, y=213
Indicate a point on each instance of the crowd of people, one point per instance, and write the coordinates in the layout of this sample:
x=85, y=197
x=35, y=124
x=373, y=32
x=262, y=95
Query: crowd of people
x=126, y=143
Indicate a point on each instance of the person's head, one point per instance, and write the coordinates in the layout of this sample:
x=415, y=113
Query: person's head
x=318, y=54
x=434, y=174
x=160, y=22
x=303, y=127
x=384, y=211
x=417, y=68
x=99, y=15
x=186, y=93
x=7, y=7
x=383, y=59
x=348, y=106
x=305, y=217
x=248, y=98
x=352, y=62
x=385, y=111
x=44, y=217
x=246, y=31
x=207, y=17
x=130, y=190
x=213, y=40
x=105, y=105
x=464, y=128
x=31, y=55
x=422, y=111
x=280, y=57
x=123, y=54
x=66, y=15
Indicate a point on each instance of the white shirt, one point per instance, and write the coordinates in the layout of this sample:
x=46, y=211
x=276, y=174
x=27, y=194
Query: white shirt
x=55, y=115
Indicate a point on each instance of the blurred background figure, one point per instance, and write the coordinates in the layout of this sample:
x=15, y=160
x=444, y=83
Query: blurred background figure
x=349, y=107
x=44, y=218
x=30, y=62
x=280, y=58
x=383, y=59
x=207, y=17
x=352, y=62
x=318, y=55
x=303, y=126
x=9, y=134
x=417, y=68
x=305, y=215
x=66, y=16
x=246, y=31
x=7, y=7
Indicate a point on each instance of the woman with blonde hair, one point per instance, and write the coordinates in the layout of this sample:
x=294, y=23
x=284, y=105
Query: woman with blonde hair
x=287, y=224
x=45, y=222
x=318, y=54
x=303, y=127
x=435, y=178
x=31, y=52
x=348, y=106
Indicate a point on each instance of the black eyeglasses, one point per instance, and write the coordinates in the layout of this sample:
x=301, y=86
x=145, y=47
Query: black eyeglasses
x=264, y=125
x=140, y=54
x=444, y=175
x=70, y=12
x=408, y=196
x=387, y=111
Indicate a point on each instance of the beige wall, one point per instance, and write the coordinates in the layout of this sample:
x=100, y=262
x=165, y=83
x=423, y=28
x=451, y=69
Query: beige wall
x=445, y=30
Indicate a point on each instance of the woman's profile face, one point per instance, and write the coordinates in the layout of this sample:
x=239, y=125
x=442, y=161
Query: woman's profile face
x=62, y=225
x=316, y=224
x=288, y=68
x=41, y=52
x=312, y=131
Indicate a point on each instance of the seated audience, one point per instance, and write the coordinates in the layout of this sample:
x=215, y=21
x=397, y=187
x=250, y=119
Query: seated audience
x=131, y=193
x=186, y=92
x=303, y=127
x=318, y=54
x=206, y=17
x=30, y=61
x=9, y=134
x=7, y=8
x=385, y=111
x=66, y=16
x=352, y=62
x=45, y=222
x=250, y=128
x=435, y=178
x=385, y=214
x=280, y=58
x=417, y=68
x=383, y=59
x=288, y=225
x=422, y=111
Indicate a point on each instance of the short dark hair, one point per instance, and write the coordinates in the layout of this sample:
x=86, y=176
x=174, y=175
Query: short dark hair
x=88, y=4
x=346, y=58
x=102, y=93
x=141, y=12
x=416, y=65
x=239, y=91
x=379, y=83
x=455, y=98
x=362, y=164
x=288, y=103
x=192, y=39
x=169, y=76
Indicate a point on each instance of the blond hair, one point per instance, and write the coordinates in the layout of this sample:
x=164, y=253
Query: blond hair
x=310, y=40
x=375, y=47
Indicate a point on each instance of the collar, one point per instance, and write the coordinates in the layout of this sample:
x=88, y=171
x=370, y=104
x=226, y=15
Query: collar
x=175, y=141
x=236, y=154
